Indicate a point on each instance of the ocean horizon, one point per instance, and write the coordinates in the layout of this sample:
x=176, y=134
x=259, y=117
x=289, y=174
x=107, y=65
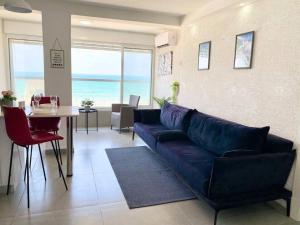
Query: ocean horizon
x=103, y=92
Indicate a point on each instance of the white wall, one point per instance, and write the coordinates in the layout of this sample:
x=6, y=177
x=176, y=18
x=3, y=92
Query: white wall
x=111, y=36
x=80, y=33
x=268, y=94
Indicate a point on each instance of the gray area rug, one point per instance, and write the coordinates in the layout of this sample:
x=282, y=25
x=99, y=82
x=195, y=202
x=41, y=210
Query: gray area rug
x=145, y=178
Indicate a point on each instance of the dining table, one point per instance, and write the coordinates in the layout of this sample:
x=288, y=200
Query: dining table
x=67, y=112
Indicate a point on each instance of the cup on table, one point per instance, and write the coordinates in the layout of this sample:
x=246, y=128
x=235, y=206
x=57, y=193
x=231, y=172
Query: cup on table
x=35, y=104
x=53, y=100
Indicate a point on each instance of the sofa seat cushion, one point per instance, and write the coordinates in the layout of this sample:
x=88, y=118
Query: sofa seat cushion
x=188, y=160
x=219, y=136
x=174, y=117
x=148, y=132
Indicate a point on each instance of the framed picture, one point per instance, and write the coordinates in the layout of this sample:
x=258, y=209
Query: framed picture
x=204, y=55
x=244, y=50
x=165, y=63
x=57, y=58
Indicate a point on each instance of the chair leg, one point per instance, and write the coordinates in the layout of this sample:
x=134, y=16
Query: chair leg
x=288, y=207
x=57, y=146
x=27, y=168
x=133, y=133
x=30, y=156
x=59, y=152
x=55, y=153
x=25, y=171
x=42, y=161
x=216, y=217
x=59, y=167
x=10, y=164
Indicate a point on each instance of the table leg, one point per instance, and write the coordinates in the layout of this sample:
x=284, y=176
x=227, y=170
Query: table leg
x=76, y=124
x=97, y=121
x=87, y=123
x=69, y=146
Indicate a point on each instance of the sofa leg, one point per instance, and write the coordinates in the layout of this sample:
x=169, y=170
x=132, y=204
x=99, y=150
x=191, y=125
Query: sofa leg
x=288, y=207
x=216, y=217
x=133, y=133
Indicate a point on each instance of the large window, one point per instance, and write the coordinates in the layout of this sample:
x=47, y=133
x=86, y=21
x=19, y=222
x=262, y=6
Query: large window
x=109, y=74
x=96, y=75
x=137, y=74
x=27, y=68
x=104, y=74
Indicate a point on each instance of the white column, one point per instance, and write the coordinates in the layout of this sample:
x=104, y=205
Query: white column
x=57, y=25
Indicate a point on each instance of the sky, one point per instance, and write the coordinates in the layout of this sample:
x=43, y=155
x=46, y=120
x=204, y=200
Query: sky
x=29, y=58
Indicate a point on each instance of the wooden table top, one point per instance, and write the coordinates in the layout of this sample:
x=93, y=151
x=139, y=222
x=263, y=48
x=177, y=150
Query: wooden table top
x=46, y=111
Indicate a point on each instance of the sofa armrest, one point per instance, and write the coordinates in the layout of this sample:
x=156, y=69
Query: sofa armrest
x=148, y=116
x=249, y=174
x=171, y=135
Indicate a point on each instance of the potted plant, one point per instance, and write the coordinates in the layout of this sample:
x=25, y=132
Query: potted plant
x=161, y=101
x=7, y=99
x=87, y=104
x=175, y=91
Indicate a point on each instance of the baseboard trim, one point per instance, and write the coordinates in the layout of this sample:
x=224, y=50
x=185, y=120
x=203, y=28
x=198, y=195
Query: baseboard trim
x=50, y=151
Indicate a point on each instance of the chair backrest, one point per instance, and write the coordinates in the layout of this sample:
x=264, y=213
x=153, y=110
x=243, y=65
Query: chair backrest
x=45, y=100
x=134, y=100
x=17, y=125
x=44, y=124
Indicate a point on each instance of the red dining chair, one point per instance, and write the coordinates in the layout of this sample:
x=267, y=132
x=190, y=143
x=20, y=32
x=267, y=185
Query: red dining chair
x=18, y=131
x=50, y=124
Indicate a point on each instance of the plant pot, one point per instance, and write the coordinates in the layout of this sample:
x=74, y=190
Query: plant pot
x=87, y=108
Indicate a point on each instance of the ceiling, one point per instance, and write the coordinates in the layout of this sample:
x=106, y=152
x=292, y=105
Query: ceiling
x=35, y=16
x=123, y=25
x=93, y=22
x=179, y=7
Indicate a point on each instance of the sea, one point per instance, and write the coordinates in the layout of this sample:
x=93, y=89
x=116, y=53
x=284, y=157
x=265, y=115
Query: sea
x=103, y=89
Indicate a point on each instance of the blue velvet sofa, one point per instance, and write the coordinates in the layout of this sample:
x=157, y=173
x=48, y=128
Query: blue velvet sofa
x=225, y=163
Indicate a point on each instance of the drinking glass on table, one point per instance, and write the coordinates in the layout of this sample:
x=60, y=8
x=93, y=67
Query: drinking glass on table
x=37, y=98
x=53, y=100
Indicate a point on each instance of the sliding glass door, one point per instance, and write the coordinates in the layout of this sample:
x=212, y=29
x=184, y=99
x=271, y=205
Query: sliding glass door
x=110, y=74
x=96, y=75
x=27, y=68
x=137, y=74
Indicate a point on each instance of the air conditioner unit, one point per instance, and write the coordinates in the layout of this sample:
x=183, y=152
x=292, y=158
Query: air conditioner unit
x=166, y=39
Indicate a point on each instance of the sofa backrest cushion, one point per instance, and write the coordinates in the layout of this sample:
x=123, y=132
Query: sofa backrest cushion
x=275, y=144
x=219, y=136
x=174, y=117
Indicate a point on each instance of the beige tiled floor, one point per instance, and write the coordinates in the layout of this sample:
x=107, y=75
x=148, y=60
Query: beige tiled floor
x=95, y=198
